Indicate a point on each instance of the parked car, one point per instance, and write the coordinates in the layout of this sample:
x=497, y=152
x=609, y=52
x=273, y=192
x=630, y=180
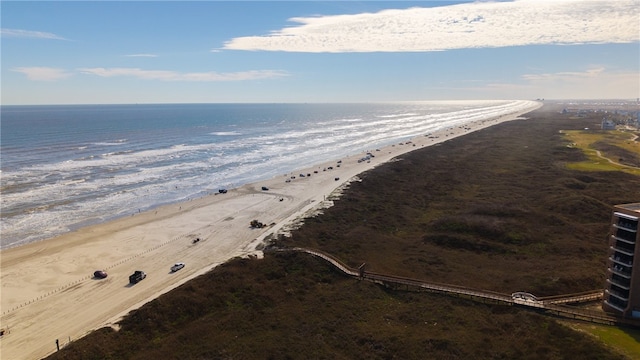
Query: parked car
x=100, y=274
x=177, y=266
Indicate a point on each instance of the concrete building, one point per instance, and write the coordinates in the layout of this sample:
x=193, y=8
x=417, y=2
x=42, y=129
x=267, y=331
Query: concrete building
x=622, y=289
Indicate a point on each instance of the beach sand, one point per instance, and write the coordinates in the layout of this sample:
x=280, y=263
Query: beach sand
x=48, y=292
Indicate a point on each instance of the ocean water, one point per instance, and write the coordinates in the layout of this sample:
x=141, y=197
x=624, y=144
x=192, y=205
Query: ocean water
x=63, y=167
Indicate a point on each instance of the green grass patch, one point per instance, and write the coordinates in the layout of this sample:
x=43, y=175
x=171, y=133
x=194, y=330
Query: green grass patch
x=605, y=150
x=624, y=340
x=596, y=164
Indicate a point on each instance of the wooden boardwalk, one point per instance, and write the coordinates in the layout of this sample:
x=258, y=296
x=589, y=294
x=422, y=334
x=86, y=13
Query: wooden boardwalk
x=552, y=305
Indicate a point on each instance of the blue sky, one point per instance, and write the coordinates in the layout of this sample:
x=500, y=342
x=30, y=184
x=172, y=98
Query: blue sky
x=72, y=52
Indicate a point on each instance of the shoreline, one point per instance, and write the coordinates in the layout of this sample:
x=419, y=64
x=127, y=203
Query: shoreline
x=48, y=292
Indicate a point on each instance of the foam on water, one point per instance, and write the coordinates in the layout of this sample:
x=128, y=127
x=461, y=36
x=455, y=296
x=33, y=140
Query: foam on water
x=83, y=165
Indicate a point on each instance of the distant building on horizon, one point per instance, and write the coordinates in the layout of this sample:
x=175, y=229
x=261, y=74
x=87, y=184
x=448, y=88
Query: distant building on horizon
x=608, y=124
x=622, y=289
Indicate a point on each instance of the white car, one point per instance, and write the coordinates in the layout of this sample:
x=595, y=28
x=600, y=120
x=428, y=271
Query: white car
x=177, y=266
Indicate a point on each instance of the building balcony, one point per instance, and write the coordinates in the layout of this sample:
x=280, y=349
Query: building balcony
x=627, y=241
x=626, y=220
x=625, y=234
x=618, y=295
x=615, y=305
x=624, y=246
x=622, y=251
x=620, y=266
x=619, y=258
x=619, y=284
x=620, y=271
x=627, y=227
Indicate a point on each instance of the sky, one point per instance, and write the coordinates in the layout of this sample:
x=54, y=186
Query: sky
x=123, y=52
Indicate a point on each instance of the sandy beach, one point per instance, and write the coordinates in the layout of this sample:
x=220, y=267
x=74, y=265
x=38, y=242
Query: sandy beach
x=48, y=291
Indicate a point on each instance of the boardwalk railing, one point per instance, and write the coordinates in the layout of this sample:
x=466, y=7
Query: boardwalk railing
x=587, y=296
x=551, y=305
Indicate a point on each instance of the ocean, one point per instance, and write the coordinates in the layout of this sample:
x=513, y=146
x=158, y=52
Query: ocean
x=68, y=166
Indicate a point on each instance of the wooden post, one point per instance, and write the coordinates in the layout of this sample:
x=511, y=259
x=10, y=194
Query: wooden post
x=58, y=344
x=361, y=271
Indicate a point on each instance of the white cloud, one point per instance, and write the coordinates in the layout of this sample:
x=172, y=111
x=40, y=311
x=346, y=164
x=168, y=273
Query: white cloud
x=596, y=82
x=141, y=55
x=470, y=25
x=590, y=83
x=16, y=33
x=164, y=75
x=43, y=73
x=566, y=76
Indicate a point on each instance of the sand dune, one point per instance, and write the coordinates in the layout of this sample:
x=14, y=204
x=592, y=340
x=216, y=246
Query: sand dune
x=48, y=289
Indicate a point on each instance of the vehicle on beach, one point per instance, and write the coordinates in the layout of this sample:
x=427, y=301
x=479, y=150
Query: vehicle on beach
x=222, y=191
x=99, y=274
x=264, y=188
x=255, y=224
x=177, y=266
x=137, y=276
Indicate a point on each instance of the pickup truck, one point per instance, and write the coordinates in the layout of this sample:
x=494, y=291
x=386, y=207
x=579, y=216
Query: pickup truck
x=136, y=277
